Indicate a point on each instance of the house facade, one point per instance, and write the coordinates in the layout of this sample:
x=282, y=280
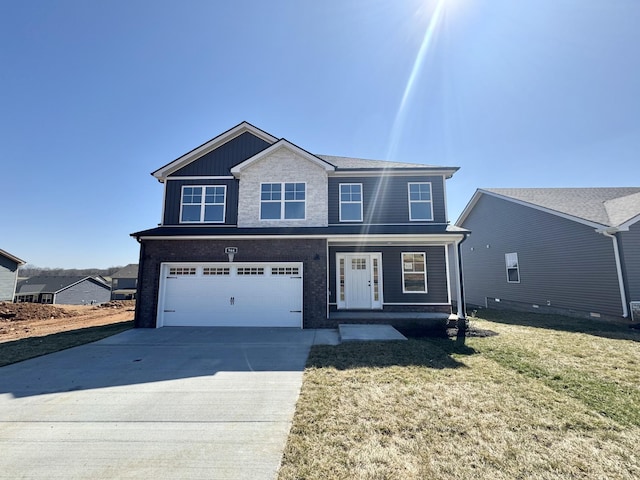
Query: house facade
x=573, y=251
x=63, y=290
x=257, y=231
x=9, y=265
x=124, y=283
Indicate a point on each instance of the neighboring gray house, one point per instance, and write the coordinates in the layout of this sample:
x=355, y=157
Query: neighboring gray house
x=69, y=290
x=574, y=251
x=8, y=275
x=124, y=283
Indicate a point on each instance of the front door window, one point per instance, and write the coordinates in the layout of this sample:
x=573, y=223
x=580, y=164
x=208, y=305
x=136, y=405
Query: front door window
x=359, y=280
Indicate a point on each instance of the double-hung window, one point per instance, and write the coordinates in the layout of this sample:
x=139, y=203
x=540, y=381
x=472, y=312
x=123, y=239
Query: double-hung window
x=350, y=202
x=203, y=204
x=420, y=202
x=282, y=201
x=513, y=267
x=414, y=272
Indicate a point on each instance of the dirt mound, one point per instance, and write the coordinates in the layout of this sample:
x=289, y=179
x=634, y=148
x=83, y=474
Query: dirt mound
x=31, y=311
x=128, y=304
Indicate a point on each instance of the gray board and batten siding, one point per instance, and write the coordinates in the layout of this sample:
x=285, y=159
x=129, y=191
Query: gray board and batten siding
x=563, y=264
x=437, y=292
x=219, y=162
x=8, y=276
x=389, y=196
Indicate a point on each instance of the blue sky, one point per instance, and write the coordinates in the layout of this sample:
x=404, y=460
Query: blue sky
x=94, y=95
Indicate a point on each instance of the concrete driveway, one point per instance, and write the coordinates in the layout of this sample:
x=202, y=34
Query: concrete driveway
x=183, y=403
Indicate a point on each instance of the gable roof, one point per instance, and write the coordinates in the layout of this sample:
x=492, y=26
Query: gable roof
x=330, y=163
x=12, y=257
x=211, y=145
x=52, y=284
x=283, y=143
x=597, y=207
x=130, y=271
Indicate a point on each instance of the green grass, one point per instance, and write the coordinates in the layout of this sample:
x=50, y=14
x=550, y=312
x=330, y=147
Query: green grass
x=549, y=397
x=19, y=350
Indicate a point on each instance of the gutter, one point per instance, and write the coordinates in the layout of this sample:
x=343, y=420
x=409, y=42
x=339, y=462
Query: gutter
x=616, y=253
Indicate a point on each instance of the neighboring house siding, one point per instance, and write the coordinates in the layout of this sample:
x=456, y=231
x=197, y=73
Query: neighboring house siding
x=219, y=161
x=173, y=198
x=310, y=252
x=283, y=166
x=83, y=293
x=385, y=199
x=8, y=276
x=437, y=292
x=562, y=264
x=630, y=253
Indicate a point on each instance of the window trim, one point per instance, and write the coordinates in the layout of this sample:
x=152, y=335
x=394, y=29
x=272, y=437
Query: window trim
x=283, y=202
x=203, y=204
x=516, y=268
x=430, y=202
x=361, y=202
x=424, y=255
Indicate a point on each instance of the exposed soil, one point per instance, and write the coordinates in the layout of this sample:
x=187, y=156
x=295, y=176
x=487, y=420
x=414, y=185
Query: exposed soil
x=23, y=320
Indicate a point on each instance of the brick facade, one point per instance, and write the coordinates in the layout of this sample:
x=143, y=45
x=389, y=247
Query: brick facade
x=311, y=252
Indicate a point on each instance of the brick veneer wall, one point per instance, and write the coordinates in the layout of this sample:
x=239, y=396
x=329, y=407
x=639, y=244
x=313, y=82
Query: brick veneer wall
x=311, y=252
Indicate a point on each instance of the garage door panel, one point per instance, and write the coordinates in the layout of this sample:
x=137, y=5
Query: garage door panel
x=253, y=298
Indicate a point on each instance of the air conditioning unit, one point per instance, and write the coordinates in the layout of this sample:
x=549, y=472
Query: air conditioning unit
x=635, y=311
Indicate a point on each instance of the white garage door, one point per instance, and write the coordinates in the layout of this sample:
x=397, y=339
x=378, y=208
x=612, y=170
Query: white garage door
x=230, y=295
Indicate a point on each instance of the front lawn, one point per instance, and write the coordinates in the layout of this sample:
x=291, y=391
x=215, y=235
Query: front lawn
x=549, y=397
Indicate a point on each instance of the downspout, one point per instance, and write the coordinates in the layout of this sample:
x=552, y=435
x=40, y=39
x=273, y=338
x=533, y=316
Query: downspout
x=616, y=253
x=460, y=300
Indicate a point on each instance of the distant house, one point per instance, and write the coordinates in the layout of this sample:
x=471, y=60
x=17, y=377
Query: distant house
x=574, y=251
x=124, y=283
x=69, y=290
x=9, y=265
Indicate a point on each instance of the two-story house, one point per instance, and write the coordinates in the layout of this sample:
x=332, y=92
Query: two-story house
x=124, y=283
x=256, y=231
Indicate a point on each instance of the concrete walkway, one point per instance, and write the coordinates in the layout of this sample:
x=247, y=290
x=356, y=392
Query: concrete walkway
x=207, y=403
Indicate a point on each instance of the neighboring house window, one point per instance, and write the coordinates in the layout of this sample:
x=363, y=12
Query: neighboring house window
x=513, y=267
x=420, y=204
x=46, y=298
x=203, y=204
x=350, y=202
x=414, y=272
x=280, y=201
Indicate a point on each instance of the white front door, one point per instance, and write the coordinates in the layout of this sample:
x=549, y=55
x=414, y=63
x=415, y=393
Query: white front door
x=359, y=280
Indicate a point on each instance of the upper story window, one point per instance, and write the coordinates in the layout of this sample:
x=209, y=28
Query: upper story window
x=420, y=202
x=202, y=204
x=282, y=201
x=513, y=267
x=350, y=202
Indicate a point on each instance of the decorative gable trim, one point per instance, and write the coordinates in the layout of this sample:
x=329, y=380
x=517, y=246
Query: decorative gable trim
x=476, y=196
x=282, y=143
x=211, y=145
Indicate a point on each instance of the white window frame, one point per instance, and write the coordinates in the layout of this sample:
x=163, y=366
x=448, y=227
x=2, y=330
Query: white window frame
x=203, y=204
x=283, y=202
x=424, y=255
x=47, y=298
x=516, y=267
x=351, y=201
x=430, y=202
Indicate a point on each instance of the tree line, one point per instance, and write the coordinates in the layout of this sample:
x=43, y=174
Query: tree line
x=33, y=271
